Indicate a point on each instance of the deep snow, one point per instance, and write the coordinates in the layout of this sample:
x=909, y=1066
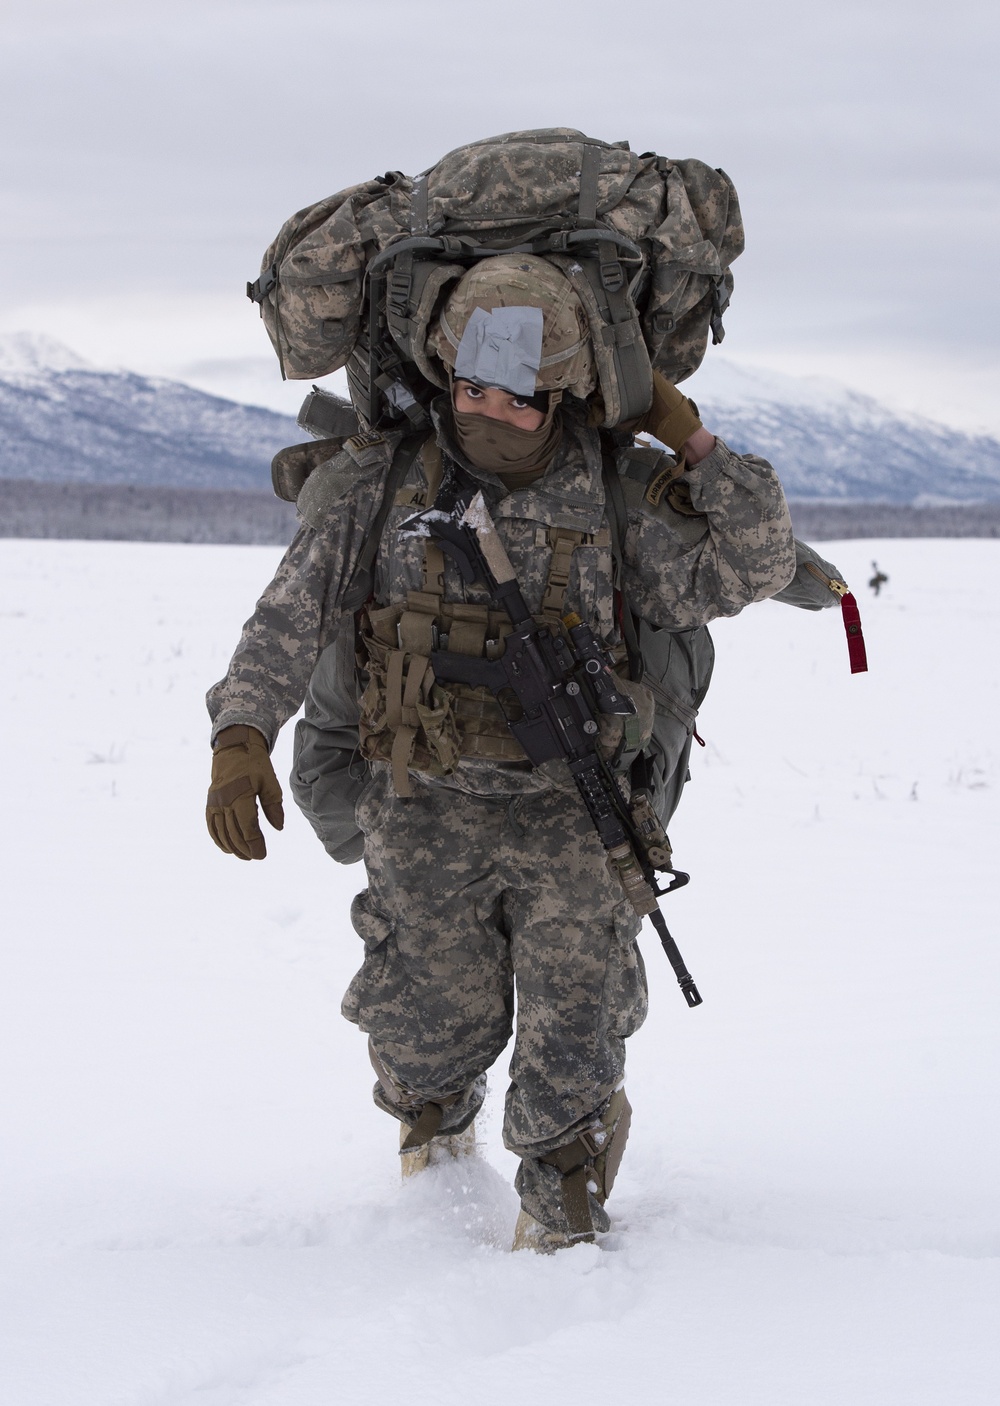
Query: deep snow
x=200, y=1206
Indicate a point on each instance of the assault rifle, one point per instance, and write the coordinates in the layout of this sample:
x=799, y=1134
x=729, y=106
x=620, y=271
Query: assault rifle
x=561, y=687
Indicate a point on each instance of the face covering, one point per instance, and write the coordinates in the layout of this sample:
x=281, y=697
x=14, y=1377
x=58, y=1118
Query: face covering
x=516, y=456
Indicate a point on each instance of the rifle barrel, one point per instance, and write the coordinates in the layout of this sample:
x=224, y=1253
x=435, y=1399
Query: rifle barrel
x=685, y=980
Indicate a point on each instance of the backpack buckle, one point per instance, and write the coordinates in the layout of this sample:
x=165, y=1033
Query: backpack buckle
x=259, y=289
x=612, y=276
x=720, y=302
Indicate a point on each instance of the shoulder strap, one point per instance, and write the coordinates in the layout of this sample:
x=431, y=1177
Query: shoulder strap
x=617, y=510
x=641, y=773
x=360, y=586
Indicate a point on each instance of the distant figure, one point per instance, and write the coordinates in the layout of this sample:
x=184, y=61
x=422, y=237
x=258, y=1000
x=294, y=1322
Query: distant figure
x=878, y=580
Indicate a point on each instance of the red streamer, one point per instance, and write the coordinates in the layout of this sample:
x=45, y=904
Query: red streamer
x=855, y=638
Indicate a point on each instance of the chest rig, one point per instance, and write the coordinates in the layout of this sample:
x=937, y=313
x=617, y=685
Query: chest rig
x=407, y=718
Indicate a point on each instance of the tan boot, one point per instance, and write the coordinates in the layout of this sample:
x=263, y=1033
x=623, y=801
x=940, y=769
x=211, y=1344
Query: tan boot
x=588, y=1166
x=447, y=1148
x=530, y=1234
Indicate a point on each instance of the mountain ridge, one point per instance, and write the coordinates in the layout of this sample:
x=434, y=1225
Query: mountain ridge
x=63, y=420
x=833, y=444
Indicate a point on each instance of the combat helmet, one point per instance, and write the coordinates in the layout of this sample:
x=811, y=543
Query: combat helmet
x=515, y=321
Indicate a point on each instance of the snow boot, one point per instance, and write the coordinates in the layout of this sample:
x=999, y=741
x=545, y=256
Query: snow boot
x=446, y=1148
x=530, y=1234
x=571, y=1184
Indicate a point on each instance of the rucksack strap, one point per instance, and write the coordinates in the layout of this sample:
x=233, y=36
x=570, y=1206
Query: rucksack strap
x=360, y=586
x=617, y=511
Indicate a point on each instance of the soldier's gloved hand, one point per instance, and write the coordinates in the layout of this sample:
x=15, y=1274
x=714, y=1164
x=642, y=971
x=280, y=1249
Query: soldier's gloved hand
x=672, y=418
x=242, y=771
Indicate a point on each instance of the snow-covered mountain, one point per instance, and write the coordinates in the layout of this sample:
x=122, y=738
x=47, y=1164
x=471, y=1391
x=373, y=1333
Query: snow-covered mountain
x=62, y=420
x=832, y=443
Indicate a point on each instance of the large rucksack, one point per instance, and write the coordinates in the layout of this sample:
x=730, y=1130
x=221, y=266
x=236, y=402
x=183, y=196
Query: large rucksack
x=357, y=279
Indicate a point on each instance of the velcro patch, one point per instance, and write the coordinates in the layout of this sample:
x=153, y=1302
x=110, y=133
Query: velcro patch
x=365, y=439
x=368, y=448
x=409, y=498
x=659, y=484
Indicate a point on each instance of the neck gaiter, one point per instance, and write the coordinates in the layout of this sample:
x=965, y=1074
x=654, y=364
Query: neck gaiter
x=516, y=456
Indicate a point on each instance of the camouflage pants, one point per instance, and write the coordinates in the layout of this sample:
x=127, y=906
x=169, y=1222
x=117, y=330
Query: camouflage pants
x=470, y=898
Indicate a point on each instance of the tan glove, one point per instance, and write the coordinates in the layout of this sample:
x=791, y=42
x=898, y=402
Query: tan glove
x=672, y=418
x=242, y=771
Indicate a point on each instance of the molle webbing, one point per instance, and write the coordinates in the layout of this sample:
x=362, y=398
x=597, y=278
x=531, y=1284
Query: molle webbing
x=564, y=543
x=403, y=696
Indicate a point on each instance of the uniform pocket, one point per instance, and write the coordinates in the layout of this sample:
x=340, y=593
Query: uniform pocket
x=590, y=591
x=374, y=929
x=368, y=923
x=626, y=1000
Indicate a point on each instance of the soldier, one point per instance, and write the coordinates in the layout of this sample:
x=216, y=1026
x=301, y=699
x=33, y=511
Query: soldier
x=878, y=580
x=485, y=875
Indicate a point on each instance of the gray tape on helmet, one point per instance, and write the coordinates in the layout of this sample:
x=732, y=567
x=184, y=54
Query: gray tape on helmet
x=502, y=348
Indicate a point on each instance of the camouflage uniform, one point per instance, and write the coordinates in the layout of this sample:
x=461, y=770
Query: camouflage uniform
x=491, y=876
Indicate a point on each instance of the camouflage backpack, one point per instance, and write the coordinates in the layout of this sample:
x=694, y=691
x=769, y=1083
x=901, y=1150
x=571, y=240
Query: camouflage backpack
x=357, y=279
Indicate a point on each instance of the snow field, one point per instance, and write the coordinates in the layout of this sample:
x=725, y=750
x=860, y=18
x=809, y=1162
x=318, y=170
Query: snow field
x=200, y=1206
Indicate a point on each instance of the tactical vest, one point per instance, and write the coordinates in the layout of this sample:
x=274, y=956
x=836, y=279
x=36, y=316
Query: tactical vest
x=410, y=720
x=329, y=771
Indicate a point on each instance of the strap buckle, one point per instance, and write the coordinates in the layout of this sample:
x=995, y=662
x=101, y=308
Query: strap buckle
x=259, y=289
x=612, y=275
x=588, y=1141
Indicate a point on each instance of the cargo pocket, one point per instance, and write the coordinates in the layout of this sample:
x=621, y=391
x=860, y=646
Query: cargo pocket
x=625, y=1001
x=375, y=931
x=591, y=587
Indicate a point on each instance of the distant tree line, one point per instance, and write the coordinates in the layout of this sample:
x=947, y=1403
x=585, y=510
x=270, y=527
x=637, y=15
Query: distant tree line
x=816, y=522
x=131, y=513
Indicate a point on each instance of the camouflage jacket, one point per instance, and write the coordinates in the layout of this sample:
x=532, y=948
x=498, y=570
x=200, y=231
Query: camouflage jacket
x=719, y=539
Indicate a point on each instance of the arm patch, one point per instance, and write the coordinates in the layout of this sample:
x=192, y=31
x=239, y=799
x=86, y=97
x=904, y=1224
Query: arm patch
x=659, y=483
x=653, y=468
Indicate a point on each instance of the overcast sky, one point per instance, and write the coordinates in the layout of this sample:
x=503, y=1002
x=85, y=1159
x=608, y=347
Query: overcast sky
x=151, y=151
